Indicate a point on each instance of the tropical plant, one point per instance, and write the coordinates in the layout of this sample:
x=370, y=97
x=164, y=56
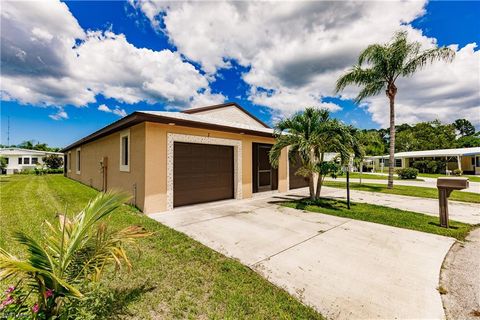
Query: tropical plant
x=385, y=63
x=312, y=134
x=70, y=253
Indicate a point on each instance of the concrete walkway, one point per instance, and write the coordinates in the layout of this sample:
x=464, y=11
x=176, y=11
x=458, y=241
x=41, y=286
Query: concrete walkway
x=344, y=268
x=459, y=211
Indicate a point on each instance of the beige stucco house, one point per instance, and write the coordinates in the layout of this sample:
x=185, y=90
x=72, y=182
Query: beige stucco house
x=171, y=159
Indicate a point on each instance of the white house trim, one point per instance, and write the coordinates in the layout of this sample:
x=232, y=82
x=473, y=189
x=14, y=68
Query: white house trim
x=237, y=159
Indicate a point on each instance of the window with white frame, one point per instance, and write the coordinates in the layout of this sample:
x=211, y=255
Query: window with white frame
x=78, y=158
x=398, y=163
x=26, y=160
x=34, y=160
x=20, y=160
x=125, y=151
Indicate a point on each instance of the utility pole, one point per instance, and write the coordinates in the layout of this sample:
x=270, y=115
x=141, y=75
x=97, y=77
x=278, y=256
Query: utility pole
x=8, y=131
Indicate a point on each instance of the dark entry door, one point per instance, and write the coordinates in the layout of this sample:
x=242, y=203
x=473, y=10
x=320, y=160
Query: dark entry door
x=265, y=177
x=202, y=173
x=296, y=181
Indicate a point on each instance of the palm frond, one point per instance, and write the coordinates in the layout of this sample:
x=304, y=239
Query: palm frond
x=419, y=61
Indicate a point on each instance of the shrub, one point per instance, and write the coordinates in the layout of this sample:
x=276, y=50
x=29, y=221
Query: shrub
x=407, y=173
x=457, y=172
x=53, y=161
x=69, y=254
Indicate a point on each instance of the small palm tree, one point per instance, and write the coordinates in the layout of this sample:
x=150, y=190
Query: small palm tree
x=385, y=64
x=69, y=254
x=311, y=134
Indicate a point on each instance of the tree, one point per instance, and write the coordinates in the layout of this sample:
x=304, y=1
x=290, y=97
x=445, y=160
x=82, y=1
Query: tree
x=311, y=134
x=3, y=163
x=426, y=136
x=469, y=141
x=75, y=251
x=385, y=63
x=372, y=142
x=464, y=127
x=53, y=161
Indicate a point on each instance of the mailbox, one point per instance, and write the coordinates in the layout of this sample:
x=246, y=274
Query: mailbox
x=445, y=187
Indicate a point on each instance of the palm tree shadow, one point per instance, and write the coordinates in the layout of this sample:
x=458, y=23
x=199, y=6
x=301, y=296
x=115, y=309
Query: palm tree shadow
x=116, y=305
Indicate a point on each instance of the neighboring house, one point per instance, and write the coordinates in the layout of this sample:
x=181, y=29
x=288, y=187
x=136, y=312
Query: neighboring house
x=465, y=159
x=19, y=159
x=170, y=159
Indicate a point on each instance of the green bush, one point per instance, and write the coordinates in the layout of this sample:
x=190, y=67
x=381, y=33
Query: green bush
x=457, y=172
x=407, y=173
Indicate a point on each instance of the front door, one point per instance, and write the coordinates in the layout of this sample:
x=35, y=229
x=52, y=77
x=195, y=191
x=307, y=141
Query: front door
x=265, y=177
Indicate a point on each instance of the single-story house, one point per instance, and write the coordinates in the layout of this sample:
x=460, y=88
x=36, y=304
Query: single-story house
x=171, y=159
x=465, y=159
x=19, y=159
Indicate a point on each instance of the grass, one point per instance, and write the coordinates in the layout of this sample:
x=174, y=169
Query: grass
x=413, y=191
x=174, y=277
x=383, y=215
x=436, y=175
x=372, y=176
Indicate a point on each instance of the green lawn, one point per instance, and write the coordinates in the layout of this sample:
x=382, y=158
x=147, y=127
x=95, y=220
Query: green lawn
x=356, y=175
x=414, y=191
x=174, y=277
x=436, y=175
x=383, y=215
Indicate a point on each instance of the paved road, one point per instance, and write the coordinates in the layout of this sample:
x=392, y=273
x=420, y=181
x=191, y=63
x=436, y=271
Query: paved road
x=344, y=268
x=428, y=183
x=459, y=211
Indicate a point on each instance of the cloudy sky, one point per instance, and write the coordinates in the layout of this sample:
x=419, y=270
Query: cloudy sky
x=70, y=68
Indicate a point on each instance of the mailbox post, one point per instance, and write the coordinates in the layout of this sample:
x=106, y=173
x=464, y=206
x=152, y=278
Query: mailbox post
x=445, y=187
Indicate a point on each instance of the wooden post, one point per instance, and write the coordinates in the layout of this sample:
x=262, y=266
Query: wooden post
x=443, y=195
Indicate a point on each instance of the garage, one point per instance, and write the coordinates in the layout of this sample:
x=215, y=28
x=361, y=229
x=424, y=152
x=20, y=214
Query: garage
x=202, y=173
x=296, y=181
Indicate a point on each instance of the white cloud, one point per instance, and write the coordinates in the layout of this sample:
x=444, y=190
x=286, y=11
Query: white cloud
x=117, y=110
x=48, y=59
x=60, y=115
x=295, y=51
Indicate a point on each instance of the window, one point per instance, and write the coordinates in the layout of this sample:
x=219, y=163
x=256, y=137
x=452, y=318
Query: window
x=478, y=162
x=78, y=160
x=69, y=161
x=34, y=160
x=26, y=160
x=125, y=151
x=473, y=161
x=6, y=160
x=398, y=162
x=20, y=160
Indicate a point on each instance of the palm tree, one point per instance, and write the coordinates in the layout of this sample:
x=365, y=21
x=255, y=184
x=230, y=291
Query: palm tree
x=311, y=134
x=73, y=252
x=385, y=64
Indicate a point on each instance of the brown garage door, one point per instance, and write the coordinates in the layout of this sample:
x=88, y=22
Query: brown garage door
x=201, y=173
x=296, y=181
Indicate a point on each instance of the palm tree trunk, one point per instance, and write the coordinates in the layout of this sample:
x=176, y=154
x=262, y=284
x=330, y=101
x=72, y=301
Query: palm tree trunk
x=320, y=179
x=311, y=186
x=391, y=162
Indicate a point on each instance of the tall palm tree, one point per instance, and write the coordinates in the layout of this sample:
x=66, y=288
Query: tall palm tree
x=309, y=135
x=385, y=63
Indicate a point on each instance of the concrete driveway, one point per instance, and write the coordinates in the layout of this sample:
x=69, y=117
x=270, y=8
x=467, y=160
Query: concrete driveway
x=344, y=268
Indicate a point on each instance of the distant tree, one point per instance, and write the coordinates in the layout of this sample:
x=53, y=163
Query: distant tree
x=426, y=136
x=53, y=161
x=3, y=163
x=378, y=68
x=469, y=141
x=464, y=127
x=372, y=142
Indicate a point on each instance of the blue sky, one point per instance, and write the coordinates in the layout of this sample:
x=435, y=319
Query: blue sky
x=57, y=118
